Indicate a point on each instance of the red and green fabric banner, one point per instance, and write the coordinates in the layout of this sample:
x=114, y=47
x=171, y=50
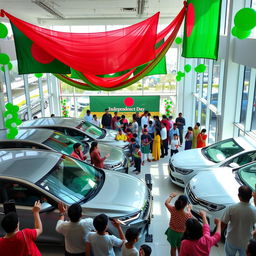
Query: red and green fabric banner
x=202, y=26
x=32, y=59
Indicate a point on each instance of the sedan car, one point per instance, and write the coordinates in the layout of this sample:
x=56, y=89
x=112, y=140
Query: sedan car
x=214, y=190
x=186, y=164
x=29, y=175
x=79, y=129
x=59, y=142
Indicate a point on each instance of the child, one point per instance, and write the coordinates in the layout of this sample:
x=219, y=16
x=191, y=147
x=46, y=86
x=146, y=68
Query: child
x=201, y=139
x=101, y=242
x=175, y=144
x=129, y=134
x=197, y=239
x=132, y=237
x=137, y=159
x=135, y=136
x=177, y=222
x=146, y=140
x=189, y=138
x=145, y=250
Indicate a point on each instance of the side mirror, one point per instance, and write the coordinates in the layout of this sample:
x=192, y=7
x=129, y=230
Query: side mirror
x=46, y=207
x=233, y=165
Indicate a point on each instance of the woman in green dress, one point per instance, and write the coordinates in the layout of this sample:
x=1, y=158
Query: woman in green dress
x=145, y=145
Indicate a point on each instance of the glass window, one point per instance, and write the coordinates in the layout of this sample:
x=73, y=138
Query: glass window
x=215, y=83
x=92, y=130
x=196, y=111
x=242, y=159
x=205, y=79
x=72, y=181
x=253, y=124
x=212, y=128
x=244, y=102
x=247, y=175
x=221, y=150
x=203, y=115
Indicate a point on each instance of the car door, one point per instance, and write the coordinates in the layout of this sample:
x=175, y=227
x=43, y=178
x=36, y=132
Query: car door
x=242, y=159
x=25, y=197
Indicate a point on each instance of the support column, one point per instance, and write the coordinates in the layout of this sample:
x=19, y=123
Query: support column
x=27, y=96
x=55, y=95
x=41, y=95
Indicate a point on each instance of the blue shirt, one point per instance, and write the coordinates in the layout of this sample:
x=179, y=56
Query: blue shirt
x=88, y=118
x=151, y=129
x=172, y=132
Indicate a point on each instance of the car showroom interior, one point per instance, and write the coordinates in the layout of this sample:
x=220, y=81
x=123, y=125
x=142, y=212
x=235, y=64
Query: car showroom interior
x=127, y=128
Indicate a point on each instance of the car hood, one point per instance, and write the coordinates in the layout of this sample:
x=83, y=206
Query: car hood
x=189, y=159
x=110, y=139
x=120, y=195
x=216, y=186
x=116, y=154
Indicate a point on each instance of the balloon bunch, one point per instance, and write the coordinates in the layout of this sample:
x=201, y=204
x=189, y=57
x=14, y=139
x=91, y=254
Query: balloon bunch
x=187, y=69
x=4, y=58
x=168, y=105
x=11, y=120
x=64, y=108
x=245, y=21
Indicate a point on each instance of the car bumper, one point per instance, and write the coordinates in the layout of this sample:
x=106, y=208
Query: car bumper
x=178, y=178
x=122, y=167
x=196, y=208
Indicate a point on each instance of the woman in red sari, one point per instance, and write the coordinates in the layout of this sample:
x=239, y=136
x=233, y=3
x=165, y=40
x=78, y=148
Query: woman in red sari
x=96, y=158
x=201, y=139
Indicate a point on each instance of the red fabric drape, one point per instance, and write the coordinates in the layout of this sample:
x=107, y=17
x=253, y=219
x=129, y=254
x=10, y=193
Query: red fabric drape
x=96, y=53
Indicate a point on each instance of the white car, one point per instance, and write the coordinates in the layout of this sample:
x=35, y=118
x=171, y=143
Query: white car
x=184, y=165
x=214, y=190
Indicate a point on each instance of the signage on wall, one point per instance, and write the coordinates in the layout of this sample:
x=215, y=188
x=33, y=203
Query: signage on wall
x=124, y=103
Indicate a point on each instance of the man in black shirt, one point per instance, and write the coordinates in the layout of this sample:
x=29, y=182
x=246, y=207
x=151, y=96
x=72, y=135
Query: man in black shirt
x=106, y=120
x=180, y=121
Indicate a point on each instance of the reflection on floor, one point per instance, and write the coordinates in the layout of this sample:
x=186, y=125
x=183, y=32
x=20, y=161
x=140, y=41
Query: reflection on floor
x=162, y=187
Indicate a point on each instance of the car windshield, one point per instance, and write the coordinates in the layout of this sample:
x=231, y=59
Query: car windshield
x=72, y=181
x=63, y=143
x=222, y=150
x=247, y=175
x=92, y=130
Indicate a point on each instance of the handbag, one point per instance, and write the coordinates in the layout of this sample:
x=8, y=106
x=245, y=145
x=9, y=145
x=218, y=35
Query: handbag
x=27, y=246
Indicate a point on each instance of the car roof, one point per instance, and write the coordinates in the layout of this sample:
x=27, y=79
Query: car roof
x=28, y=165
x=246, y=142
x=36, y=135
x=53, y=121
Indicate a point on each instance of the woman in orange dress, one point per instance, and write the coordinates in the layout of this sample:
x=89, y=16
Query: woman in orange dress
x=201, y=139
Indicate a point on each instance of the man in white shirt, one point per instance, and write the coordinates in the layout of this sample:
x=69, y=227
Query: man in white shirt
x=95, y=121
x=239, y=220
x=75, y=231
x=88, y=116
x=101, y=242
x=144, y=120
x=164, y=140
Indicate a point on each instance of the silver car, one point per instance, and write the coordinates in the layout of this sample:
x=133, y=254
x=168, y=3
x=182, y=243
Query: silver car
x=29, y=175
x=78, y=128
x=57, y=141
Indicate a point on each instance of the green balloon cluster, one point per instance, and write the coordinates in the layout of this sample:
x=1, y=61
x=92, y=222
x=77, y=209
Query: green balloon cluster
x=9, y=66
x=4, y=59
x=12, y=120
x=3, y=31
x=38, y=75
x=200, y=68
x=64, y=108
x=168, y=107
x=178, y=40
x=180, y=75
x=245, y=21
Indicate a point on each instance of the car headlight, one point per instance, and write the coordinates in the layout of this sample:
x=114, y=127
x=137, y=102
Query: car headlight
x=127, y=219
x=183, y=171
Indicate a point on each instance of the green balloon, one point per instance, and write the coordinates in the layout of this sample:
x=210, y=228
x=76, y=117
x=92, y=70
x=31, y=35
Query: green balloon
x=15, y=108
x=18, y=121
x=13, y=132
x=245, y=19
x=3, y=31
x=178, y=40
x=234, y=31
x=187, y=68
x=8, y=123
x=181, y=74
x=242, y=34
x=38, y=75
x=8, y=106
x=178, y=78
x=10, y=136
x=200, y=68
x=4, y=59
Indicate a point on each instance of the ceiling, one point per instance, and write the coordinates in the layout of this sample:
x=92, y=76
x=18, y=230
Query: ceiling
x=90, y=11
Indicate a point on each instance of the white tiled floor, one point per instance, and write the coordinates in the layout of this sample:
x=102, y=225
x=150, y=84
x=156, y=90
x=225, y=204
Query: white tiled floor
x=162, y=187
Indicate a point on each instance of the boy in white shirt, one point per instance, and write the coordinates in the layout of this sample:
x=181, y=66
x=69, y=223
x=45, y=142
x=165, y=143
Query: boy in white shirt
x=101, y=242
x=132, y=237
x=175, y=144
x=95, y=121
